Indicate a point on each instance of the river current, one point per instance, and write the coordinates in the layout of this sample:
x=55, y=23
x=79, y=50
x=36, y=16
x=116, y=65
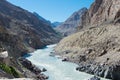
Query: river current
x=56, y=69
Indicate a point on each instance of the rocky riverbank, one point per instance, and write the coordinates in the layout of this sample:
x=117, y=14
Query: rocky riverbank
x=35, y=70
x=21, y=32
x=95, y=50
x=96, y=45
x=24, y=70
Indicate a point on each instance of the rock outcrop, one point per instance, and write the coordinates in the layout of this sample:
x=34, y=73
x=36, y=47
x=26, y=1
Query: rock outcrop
x=94, y=78
x=27, y=64
x=96, y=47
x=101, y=12
x=70, y=25
x=96, y=50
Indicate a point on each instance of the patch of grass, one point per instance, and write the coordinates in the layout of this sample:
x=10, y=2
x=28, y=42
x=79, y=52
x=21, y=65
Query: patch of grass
x=10, y=70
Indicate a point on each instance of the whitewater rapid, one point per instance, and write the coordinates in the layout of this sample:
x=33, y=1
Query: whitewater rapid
x=56, y=69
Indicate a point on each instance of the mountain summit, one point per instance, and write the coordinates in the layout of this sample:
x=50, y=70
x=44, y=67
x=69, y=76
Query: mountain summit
x=70, y=25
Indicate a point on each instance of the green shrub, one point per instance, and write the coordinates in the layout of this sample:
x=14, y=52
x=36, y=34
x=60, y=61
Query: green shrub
x=9, y=69
x=14, y=72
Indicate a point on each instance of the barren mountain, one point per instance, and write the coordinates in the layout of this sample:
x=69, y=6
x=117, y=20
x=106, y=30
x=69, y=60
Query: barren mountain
x=96, y=46
x=70, y=25
x=101, y=12
x=21, y=27
x=21, y=32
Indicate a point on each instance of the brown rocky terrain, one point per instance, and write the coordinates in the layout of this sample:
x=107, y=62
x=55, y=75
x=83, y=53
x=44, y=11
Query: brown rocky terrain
x=20, y=29
x=21, y=32
x=96, y=46
x=101, y=12
x=70, y=25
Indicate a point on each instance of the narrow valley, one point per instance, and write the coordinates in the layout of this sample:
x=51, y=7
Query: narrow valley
x=60, y=40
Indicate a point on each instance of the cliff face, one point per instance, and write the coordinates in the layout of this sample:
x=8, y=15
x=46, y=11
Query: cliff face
x=70, y=25
x=96, y=47
x=101, y=12
x=21, y=30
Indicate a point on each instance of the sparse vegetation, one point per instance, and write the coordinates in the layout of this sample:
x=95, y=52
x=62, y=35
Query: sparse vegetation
x=9, y=69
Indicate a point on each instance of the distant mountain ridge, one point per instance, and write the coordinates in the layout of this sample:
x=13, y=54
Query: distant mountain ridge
x=69, y=26
x=56, y=24
x=53, y=25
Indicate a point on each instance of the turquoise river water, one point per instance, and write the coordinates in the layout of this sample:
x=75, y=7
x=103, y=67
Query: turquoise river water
x=56, y=69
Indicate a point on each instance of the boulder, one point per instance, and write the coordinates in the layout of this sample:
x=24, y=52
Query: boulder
x=27, y=64
x=4, y=54
x=94, y=78
x=43, y=70
x=65, y=59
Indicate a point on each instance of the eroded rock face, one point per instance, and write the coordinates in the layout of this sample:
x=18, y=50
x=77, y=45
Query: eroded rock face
x=101, y=12
x=96, y=50
x=96, y=47
x=70, y=25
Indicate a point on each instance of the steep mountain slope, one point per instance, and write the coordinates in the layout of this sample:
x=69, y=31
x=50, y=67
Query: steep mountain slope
x=70, y=25
x=21, y=32
x=96, y=47
x=42, y=19
x=101, y=12
x=53, y=25
x=24, y=28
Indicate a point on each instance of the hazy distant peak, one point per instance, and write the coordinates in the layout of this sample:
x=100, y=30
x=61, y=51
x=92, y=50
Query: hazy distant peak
x=69, y=26
x=56, y=24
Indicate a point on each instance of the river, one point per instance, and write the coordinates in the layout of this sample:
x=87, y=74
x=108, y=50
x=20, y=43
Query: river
x=56, y=69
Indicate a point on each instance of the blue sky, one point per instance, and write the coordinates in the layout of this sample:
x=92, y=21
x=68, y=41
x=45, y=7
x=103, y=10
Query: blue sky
x=53, y=10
